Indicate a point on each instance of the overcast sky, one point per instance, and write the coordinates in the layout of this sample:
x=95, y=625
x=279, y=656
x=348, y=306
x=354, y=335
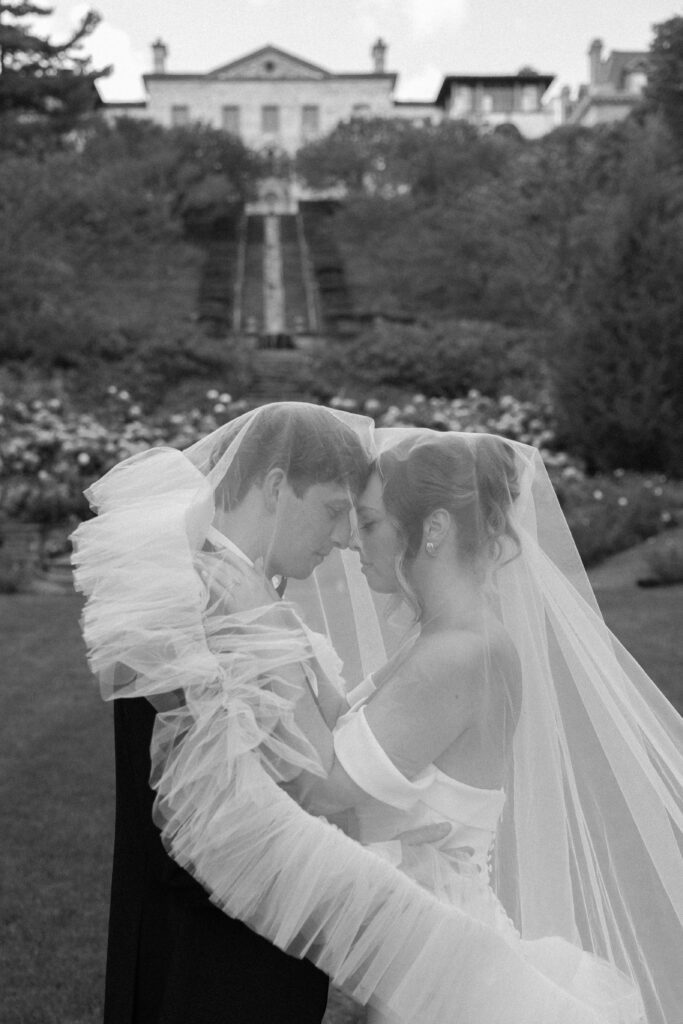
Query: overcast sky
x=426, y=39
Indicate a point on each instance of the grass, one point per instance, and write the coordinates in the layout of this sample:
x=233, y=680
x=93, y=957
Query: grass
x=57, y=798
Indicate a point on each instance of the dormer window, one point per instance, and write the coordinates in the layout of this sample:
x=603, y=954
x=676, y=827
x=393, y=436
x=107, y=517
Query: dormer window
x=269, y=66
x=635, y=81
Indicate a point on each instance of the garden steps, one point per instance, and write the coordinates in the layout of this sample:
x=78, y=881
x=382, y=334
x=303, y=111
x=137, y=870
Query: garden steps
x=275, y=286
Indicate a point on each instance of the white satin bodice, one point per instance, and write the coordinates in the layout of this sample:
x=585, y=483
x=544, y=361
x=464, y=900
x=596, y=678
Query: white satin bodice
x=472, y=814
x=432, y=797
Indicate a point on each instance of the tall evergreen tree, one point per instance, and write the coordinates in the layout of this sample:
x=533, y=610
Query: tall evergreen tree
x=42, y=84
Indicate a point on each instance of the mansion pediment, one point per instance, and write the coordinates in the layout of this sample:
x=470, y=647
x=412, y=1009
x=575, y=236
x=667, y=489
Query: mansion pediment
x=270, y=63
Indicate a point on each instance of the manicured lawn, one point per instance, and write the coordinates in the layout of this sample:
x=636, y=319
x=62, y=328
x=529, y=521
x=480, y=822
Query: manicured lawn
x=56, y=796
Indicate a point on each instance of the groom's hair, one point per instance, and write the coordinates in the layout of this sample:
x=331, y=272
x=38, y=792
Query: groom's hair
x=309, y=443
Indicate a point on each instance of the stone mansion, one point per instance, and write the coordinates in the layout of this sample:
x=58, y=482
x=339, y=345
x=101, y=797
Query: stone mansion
x=275, y=100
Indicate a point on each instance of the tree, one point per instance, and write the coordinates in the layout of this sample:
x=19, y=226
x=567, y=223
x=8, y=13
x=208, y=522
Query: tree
x=619, y=370
x=42, y=84
x=665, y=78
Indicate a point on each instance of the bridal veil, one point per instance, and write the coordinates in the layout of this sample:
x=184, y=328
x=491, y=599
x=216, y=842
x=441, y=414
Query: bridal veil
x=587, y=861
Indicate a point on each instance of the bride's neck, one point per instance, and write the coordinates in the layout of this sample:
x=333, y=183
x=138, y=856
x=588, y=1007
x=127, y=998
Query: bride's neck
x=450, y=597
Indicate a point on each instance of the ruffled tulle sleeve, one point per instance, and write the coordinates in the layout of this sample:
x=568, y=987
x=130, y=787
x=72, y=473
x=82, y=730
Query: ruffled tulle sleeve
x=217, y=758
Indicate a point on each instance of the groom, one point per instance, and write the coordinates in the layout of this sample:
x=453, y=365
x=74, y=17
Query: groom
x=173, y=957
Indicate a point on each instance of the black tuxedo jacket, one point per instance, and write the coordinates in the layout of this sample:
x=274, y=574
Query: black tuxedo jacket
x=173, y=957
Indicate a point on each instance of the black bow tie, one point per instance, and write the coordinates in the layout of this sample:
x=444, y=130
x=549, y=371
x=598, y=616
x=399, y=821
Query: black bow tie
x=281, y=586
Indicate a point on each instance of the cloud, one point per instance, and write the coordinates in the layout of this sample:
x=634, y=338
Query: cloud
x=111, y=45
x=420, y=18
x=422, y=84
x=429, y=16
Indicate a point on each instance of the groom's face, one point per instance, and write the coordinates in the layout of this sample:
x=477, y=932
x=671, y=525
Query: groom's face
x=307, y=527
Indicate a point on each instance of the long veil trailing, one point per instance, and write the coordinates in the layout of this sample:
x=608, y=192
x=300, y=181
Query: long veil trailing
x=587, y=860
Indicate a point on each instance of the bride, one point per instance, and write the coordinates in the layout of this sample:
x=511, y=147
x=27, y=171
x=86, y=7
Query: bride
x=509, y=712
x=502, y=715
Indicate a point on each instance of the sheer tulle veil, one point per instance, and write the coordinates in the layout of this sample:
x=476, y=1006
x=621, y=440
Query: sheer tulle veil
x=588, y=852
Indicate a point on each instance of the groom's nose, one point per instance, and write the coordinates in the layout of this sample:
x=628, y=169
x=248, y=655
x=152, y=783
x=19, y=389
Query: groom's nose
x=341, y=535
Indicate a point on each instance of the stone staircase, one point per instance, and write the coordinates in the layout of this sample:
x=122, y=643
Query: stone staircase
x=276, y=292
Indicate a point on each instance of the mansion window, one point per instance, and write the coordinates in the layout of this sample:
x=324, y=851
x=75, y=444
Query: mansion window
x=180, y=115
x=360, y=110
x=529, y=98
x=498, y=99
x=270, y=120
x=635, y=82
x=310, y=121
x=230, y=120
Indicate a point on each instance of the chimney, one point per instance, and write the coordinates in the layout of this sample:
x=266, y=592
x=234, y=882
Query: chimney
x=595, y=62
x=159, y=55
x=378, y=54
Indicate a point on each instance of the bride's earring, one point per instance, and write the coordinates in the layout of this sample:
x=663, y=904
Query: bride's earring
x=430, y=548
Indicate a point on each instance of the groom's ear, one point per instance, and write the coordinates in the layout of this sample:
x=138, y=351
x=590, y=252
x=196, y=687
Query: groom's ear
x=273, y=482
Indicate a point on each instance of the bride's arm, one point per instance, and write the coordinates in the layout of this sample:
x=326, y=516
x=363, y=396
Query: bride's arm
x=406, y=725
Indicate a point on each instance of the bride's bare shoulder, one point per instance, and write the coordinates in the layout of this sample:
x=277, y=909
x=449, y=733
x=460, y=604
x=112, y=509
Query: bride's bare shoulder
x=467, y=655
x=447, y=653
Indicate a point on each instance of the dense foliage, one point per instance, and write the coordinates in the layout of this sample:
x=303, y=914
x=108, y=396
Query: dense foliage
x=99, y=282
x=573, y=242
x=445, y=358
x=665, y=74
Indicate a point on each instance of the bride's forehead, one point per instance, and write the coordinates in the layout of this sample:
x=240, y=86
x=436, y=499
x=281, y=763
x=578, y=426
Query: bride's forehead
x=371, y=497
x=332, y=493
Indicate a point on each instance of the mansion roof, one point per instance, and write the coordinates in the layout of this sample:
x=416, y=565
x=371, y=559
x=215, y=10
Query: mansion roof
x=270, y=63
x=527, y=76
x=619, y=64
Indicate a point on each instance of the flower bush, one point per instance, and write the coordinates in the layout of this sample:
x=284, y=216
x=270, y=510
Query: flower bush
x=614, y=511
x=50, y=452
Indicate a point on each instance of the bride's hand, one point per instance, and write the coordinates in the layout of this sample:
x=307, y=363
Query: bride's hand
x=426, y=835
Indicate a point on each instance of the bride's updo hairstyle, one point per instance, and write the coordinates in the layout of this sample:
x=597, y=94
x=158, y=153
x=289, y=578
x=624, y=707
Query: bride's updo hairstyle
x=472, y=476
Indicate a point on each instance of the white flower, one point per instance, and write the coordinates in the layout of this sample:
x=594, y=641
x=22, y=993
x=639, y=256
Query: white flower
x=212, y=395
x=124, y=396
x=622, y=500
x=83, y=458
x=598, y=495
x=225, y=398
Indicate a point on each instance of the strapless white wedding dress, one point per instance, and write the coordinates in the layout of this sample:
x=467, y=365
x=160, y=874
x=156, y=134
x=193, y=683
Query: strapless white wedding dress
x=456, y=869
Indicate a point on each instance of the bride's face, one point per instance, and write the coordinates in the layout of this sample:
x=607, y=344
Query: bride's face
x=379, y=542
